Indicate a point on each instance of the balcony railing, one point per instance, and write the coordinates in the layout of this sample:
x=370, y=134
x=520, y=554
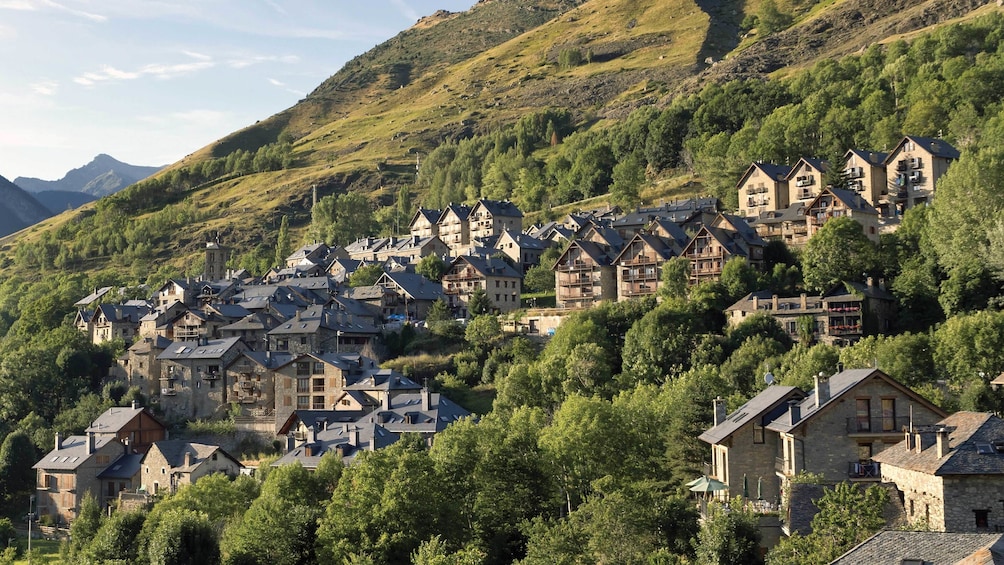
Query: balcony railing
x=845, y=308
x=863, y=470
x=877, y=425
x=844, y=329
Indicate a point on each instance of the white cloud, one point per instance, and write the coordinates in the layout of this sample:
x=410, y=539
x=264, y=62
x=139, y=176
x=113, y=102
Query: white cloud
x=199, y=56
x=275, y=6
x=21, y=5
x=155, y=70
x=49, y=5
x=45, y=88
x=244, y=62
x=274, y=82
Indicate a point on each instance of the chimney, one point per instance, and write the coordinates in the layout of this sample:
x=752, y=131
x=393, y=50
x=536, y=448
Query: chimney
x=922, y=440
x=354, y=437
x=794, y=412
x=188, y=459
x=756, y=302
x=135, y=404
x=719, y=404
x=774, y=305
x=822, y=389
x=59, y=440
x=803, y=301
x=290, y=442
x=90, y=443
x=386, y=400
x=426, y=399
x=942, y=442
x=908, y=440
x=311, y=434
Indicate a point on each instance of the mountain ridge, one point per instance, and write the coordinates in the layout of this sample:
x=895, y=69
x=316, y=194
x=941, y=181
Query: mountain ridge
x=18, y=208
x=102, y=176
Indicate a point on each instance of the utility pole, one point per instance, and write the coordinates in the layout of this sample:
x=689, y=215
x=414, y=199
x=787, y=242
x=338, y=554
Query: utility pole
x=31, y=518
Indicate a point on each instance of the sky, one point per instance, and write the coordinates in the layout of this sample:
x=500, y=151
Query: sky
x=150, y=81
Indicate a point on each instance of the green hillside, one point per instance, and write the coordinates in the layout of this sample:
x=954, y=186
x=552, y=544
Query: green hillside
x=455, y=77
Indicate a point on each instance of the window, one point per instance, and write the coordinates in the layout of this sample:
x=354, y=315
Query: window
x=302, y=402
x=758, y=435
x=318, y=403
x=303, y=340
x=863, y=414
x=864, y=451
x=318, y=368
x=302, y=368
x=318, y=385
x=982, y=518
x=302, y=385
x=888, y=414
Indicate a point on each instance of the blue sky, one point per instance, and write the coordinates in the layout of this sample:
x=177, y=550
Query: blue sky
x=149, y=81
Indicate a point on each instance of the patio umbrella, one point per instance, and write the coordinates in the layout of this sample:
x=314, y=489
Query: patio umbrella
x=696, y=481
x=705, y=484
x=759, y=488
x=746, y=487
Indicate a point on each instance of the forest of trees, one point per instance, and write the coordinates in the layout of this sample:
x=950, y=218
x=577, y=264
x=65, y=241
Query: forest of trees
x=589, y=439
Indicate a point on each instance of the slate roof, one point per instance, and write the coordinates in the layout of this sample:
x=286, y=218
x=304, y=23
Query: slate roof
x=414, y=285
x=870, y=291
x=936, y=548
x=839, y=384
x=461, y=210
x=115, y=418
x=382, y=380
x=499, y=208
x=766, y=406
x=370, y=437
x=174, y=451
x=852, y=200
x=874, y=157
x=775, y=172
x=125, y=467
x=675, y=211
x=817, y=164
x=969, y=433
x=592, y=250
x=672, y=229
x=430, y=215
x=792, y=213
x=211, y=349
x=814, y=304
x=72, y=453
x=126, y=313
x=407, y=415
x=933, y=145
x=93, y=297
x=663, y=247
x=488, y=267
x=148, y=344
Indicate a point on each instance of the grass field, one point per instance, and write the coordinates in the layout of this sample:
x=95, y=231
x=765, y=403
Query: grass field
x=43, y=551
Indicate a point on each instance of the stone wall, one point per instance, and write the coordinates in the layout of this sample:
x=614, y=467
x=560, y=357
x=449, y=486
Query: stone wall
x=923, y=495
x=966, y=493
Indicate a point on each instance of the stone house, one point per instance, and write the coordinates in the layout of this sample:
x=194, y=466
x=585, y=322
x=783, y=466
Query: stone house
x=788, y=225
x=805, y=180
x=763, y=188
x=133, y=426
x=346, y=440
x=834, y=203
x=142, y=366
x=366, y=248
x=312, y=253
x=500, y=281
x=639, y=265
x=951, y=474
x=421, y=412
x=414, y=294
x=423, y=222
x=844, y=422
x=193, y=383
x=411, y=248
x=864, y=174
x=118, y=321
x=524, y=250
x=319, y=329
x=313, y=381
x=913, y=168
x=455, y=227
x=923, y=548
x=489, y=218
x=177, y=290
x=633, y=221
x=841, y=316
x=741, y=446
x=160, y=321
x=251, y=381
x=70, y=471
x=715, y=243
x=584, y=275
x=172, y=463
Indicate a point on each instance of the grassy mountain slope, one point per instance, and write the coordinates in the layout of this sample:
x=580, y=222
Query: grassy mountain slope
x=452, y=75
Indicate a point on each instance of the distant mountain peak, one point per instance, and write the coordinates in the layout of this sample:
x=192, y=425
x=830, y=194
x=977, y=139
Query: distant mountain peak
x=102, y=176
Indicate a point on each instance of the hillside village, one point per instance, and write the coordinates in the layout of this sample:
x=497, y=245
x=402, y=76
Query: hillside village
x=295, y=356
